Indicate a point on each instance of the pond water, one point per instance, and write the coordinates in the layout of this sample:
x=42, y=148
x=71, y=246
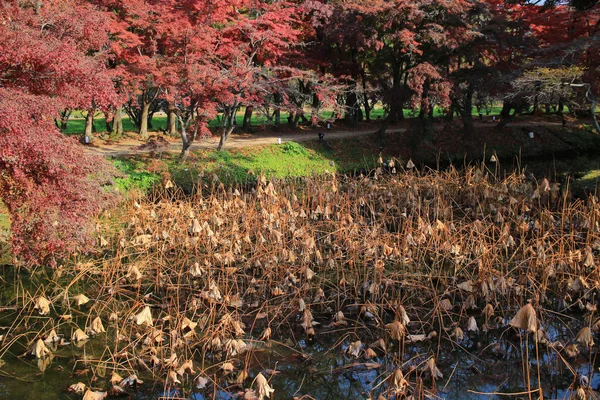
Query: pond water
x=493, y=360
x=474, y=368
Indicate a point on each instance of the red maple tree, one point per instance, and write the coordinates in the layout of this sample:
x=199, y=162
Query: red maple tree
x=50, y=187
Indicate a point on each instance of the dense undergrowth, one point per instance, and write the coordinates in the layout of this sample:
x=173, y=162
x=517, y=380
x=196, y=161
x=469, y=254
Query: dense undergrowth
x=398, y=269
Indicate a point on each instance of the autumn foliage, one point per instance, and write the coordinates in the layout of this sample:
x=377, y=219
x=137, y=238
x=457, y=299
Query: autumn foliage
x=50, y=187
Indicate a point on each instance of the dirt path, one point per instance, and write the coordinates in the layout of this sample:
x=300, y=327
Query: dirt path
x=130, y=145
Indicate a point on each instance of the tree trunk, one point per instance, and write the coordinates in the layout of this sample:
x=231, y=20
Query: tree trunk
x=426, y=119
x=185, y=145
x=118, y=123
x=536, y=107
x=450, y=114
x=277, y=113
x=294, y=118
x=467, y=115
x=561, y=107
x=396, y=112
x=505, y=117
x=150, y=117
x=247, y=118
x=171, y=122
x=352, y=110
x=363, y=75
x=367, y=110
x=427, y=129
x=224, y=136
x=396, y=107
x=109, y=118
x=594, y=118
x=469, y=128
x=132, y=113
x=384, y=125
x=115, y=128
x=88, y=135
x=316, y=105
x=144, y=121
x=297, y=118
x=185, y=152
x=228, y=125
x=186, y=141
x=278, y=117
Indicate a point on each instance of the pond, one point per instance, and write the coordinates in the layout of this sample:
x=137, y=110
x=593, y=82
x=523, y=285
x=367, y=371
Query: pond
x=318, y=368
x=302, y=287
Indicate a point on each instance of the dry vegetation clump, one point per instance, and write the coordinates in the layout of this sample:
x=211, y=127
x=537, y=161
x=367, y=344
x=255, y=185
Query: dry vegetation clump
x=189, y=290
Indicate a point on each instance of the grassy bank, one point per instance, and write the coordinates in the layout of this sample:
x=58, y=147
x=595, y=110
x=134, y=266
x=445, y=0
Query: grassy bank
x=554, y=153
x=240, y=166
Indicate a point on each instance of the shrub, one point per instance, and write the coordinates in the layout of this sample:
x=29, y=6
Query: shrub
x=51, y=189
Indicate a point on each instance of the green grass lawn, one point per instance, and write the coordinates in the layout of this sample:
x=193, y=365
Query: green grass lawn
x=76, y=125
x=243, y=165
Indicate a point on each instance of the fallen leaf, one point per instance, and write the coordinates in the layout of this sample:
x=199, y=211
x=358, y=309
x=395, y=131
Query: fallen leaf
x=200, y=382
x=398, y=381
x=354, y=348
x=263, y=388
x=172, y=378
x=78, y=388
x=96, y=327
x=187, y=366
x=144, y=317
x=397, y=330
x=79, y=336
x=115, y=378
x=81, y=299
x=52, y=337
x=266, y=335
x=90, y=395
x=585, y=337
x=525, y=319
x=42, y=304
x=433, y=369
x=472, y=325
x=227, y=367
x=369, y=353
x=134, y=273
x=131, y=380
x=39, y=349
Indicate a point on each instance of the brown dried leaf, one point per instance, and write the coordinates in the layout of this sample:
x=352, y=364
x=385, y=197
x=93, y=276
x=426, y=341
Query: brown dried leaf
x=525, y=319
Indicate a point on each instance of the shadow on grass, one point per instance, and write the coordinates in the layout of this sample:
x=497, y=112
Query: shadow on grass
x=243, y=166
